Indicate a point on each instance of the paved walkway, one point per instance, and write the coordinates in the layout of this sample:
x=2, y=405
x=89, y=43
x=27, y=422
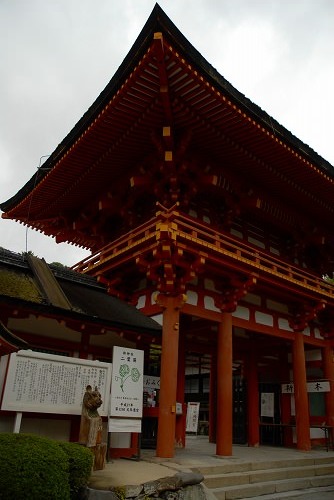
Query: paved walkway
x=198, y=452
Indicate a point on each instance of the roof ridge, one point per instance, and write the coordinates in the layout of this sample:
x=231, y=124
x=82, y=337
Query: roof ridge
x=48, y=282
x=10, y=257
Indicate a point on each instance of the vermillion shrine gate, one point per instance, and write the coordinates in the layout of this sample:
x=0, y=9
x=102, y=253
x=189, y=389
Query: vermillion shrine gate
x=201, y=209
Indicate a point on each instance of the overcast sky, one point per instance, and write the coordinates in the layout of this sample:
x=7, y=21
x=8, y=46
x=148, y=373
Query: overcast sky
x=57, y=56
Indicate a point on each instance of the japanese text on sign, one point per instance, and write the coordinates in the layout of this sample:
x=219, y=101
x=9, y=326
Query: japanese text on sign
x=192, y=416
x=127, y=383
x=45, y=383
x=315, y=386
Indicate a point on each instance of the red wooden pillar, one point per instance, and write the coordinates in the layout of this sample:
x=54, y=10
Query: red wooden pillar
x=224, y=386
x=168, y=374
x=328, y=367
x=301, y=397
x=213, y=399
x=285, y=398
x=180, y=430
x=253, y=400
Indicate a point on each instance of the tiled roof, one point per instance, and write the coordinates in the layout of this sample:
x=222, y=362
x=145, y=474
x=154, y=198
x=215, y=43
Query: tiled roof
x=18, y=283
x=81, y=295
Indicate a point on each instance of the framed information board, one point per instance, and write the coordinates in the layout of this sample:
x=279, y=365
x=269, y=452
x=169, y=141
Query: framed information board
x=46, y=383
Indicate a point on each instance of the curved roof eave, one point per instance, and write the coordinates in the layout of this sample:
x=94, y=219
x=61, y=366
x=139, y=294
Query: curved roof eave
x=159, y=21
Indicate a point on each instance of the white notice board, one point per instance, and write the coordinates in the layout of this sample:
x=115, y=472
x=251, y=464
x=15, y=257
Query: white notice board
x=267, y=404
x=127, y=383
x=192, y=417
x=46, y=383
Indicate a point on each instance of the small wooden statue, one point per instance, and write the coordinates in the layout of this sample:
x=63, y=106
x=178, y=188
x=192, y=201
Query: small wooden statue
x=91, y=426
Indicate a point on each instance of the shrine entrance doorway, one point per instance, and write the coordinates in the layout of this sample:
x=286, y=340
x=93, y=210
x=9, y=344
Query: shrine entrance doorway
x=198, y=346
x=239, y=410
x=271, y=431
x=260, y=363
x=260, y=366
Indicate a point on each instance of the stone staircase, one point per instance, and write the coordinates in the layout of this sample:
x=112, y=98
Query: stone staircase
x=274, y=479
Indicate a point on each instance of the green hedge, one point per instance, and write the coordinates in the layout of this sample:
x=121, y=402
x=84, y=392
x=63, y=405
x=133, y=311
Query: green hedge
x=38, y=468
x=32, y=467
x=80, y=467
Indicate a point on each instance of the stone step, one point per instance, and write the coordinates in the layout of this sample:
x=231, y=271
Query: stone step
x=260, y=465
x=323, y=493
x=254, y=490
x=265, y=475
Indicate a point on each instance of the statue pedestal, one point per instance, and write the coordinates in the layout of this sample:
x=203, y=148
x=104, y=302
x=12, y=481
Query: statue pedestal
x=100, y=452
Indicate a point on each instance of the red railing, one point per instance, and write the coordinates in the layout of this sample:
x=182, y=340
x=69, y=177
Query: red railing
x=199, y=238
x=124, y=244
x=211, y=241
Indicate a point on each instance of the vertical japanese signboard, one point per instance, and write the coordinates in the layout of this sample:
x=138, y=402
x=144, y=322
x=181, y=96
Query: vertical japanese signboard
x=126, y=389
x=192, y=417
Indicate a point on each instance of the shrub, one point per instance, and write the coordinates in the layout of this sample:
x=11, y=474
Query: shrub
x=32, y=467
x=80, y=467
